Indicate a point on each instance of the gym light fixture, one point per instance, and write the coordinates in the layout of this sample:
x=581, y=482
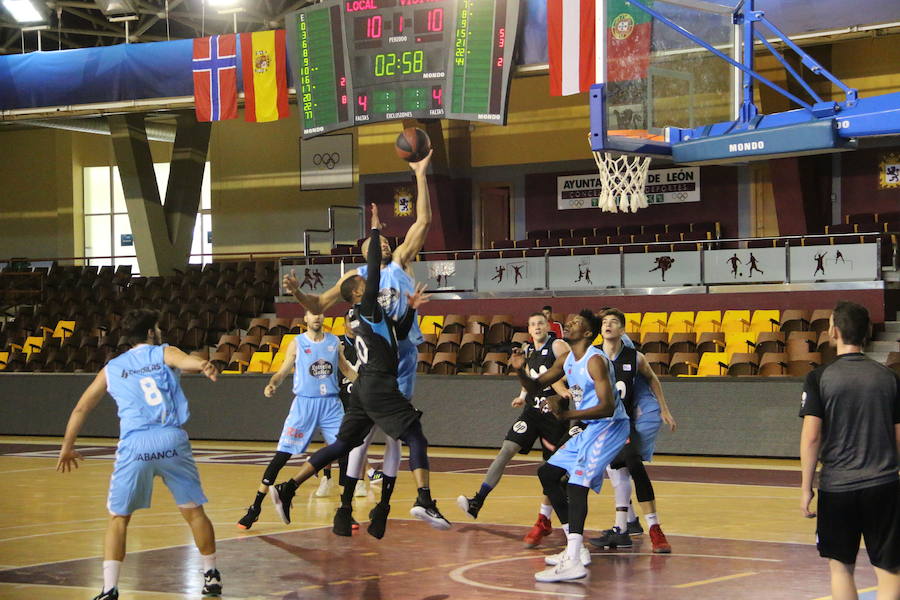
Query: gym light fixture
x=117, y=7
x=27, y=11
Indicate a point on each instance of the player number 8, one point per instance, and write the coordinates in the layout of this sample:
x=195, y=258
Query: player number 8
x=152, y=395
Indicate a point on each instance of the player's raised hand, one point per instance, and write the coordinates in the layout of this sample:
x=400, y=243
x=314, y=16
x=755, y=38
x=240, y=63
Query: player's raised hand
x=376, y=220
x=420, y=167
x=418, y=297
x=516, y=359
x=68, y=460
x=290, y=282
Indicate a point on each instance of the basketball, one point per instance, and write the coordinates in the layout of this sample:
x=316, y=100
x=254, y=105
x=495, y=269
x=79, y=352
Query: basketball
x=413, y=144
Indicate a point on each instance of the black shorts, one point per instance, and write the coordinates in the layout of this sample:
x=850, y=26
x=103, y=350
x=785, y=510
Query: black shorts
x=533, y=424
x=376, y=400
x=873, y=513
x=630, y=451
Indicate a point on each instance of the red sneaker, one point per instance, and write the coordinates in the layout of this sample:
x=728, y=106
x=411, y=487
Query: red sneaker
x=542, y=528
x=659, y=541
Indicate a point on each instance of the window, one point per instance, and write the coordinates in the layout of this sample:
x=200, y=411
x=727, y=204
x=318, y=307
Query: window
x=108, y=239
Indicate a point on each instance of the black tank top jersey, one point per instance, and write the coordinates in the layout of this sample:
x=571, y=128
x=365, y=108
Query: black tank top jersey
x=538, y=360
x=376, y=341
x=626, y=368
x=349, y=349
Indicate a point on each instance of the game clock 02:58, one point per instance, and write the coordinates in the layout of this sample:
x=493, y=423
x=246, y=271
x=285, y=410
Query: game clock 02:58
x=388, y=64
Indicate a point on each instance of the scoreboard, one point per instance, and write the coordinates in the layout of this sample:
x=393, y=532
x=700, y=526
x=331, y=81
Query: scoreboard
x=364, y=61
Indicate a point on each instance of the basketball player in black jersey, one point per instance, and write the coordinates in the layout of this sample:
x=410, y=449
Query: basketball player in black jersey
x=629, y=364
x=535, y=422
x=375, y=399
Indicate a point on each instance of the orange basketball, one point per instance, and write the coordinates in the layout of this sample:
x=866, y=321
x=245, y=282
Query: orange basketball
x=413, y=144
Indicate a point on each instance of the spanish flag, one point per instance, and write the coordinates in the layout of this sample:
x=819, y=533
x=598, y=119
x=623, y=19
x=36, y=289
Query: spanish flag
x=263, y=59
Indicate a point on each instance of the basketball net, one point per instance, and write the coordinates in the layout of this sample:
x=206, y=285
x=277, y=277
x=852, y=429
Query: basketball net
x=622, y=181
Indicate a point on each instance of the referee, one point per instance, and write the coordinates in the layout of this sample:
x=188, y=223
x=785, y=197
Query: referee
x=851, y=422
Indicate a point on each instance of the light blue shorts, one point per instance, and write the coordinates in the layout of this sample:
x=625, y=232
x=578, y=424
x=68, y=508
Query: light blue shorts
x=647, y=419
x=307, y=414
x=143, y=455
x=587, y=455
x=406, y=370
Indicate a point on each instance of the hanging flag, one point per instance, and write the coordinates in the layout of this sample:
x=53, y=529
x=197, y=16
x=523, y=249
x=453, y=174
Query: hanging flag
x=571, y=44
x=263, y=62
x=215, y=78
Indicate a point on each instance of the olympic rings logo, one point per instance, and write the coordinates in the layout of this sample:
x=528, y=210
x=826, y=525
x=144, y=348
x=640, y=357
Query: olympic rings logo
x=576, y=203
x=329, y=160
x=681, y=196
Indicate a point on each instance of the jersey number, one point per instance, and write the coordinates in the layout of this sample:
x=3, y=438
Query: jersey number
x=622, y=389
x=362, y=351
x=534, y=375
x=152, y=396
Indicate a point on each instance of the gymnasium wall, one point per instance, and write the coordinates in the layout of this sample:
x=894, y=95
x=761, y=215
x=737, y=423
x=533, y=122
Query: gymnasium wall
x=860, y=192
x=748, y=417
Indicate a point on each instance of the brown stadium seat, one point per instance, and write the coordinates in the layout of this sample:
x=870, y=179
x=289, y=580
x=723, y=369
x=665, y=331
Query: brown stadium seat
x=454, y=324
x=228, y=343
x=520, y=339
x=658, y=361
x=429, y=343
x=799, y=342
x=743, y=364
x=770, y=341
x=711, y=341
x=444, y=363
x=424, y=363
x=494, y=363
x=471, y=351
x=220, y=359
x=500, y=330
x=239, y=361
x=269, y=343
x=249, y=344
x=297, y=325
x=682, y=342
x=825, y=348
x=448, y=342
x=773, y=364
x=684, y=363
x=818, y=322
x=893, y=361
x=655, y=342
x=279, y=327
x=258, y=327
x=477, y=324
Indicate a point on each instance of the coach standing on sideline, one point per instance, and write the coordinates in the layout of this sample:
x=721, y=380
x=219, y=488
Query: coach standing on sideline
x=851, y=422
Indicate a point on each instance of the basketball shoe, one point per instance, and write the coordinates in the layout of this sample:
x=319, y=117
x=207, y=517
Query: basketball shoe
x=612, y=538
x=659, y=541
x=112, y=594
x=282, y=495
x=360, y=491
x=325, y=486
x=378, y=520
x=634, y=527
x=564, y=570
x=553, y=559
x=343, y=521
x=212, y=583
x=541, y=529
x=430, y=514
x=249, y=519
x=469, y=505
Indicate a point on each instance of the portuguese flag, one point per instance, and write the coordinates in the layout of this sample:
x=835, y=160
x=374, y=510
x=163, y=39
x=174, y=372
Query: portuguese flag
x=571, y=26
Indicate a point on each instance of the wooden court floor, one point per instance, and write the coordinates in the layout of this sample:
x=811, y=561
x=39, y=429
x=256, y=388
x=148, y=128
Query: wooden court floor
x=734, y=526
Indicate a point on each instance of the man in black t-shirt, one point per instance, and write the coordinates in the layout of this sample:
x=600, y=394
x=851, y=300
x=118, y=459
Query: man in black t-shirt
x=851, y=423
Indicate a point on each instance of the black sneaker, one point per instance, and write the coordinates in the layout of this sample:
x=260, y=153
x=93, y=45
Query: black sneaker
x=112, y=594
x=378, y=520
x=430, y=514
x=212, y=583
x=249, y=519
x=634, y=527
x=343, y=521
x=612, y=538
x=469, y=505
x=282, y=495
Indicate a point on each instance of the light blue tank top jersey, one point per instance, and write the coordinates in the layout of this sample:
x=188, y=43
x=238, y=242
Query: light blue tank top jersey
x=581, y=384
x=316, y=366
x=147, y=391
x=395, y=285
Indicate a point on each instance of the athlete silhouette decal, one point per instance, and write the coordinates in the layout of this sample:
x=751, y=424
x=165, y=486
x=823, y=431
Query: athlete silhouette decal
x=663, y=264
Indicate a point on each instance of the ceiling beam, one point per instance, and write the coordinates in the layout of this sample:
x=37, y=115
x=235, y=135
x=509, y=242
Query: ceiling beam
x=103, y=23
x=153, y=20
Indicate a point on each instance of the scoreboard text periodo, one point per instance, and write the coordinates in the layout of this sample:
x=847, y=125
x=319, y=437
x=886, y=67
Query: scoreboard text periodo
x=364, y=61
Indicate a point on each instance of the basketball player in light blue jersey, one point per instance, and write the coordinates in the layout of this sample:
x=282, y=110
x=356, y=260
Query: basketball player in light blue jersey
x=397, y=281
x=315, y=357
x=584, y=457
x=144, y=382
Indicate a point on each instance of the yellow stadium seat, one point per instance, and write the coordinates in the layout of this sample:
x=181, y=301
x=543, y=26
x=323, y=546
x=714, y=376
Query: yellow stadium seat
x=680, y=322
x=653, y=322
x=632, y=323
x=709, y=364
x=708, y=320
x=736, y=321
x=762, y=320
x=597, y=340
x=64, y=329
x=277, y=361
x=231, y=373
x=339, y=326
x=737, y=342
x=33, y=343
x=326, y=323
x=260, y=362
x=432, y=324
x=4, y=357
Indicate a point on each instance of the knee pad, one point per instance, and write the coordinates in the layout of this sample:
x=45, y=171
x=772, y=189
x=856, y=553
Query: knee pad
x=643, y=489
x=418, y=446
x=275, y=465
x=550, y=476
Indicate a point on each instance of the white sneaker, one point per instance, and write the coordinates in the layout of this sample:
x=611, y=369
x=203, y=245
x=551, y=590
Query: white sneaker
x=553, y=559
x=360, y=491
x=325, y=486
x=565, y=570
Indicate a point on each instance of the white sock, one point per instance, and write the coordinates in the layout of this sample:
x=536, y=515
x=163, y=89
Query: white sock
x=565, y=529
x=111, y=574
x=546, y=510
x=209, y=561
x=575, y=542
x=652, y=519
x=621, y=519
x=631, y=514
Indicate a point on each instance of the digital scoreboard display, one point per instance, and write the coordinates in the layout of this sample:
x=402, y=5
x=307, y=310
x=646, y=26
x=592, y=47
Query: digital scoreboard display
x=365, y=61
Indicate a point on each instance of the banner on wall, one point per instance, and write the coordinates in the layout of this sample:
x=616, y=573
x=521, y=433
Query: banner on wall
x=664, y=186
x=889, y=171
x=326, y=162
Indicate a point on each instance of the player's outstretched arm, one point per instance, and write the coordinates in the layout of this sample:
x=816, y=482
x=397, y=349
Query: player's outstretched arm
x=415, y=237
x=317, y=303
x=373, y=275
x=68, y=456
x=656, y=387
x=548, y=377
x=346, y=368
x=185, y=362
x=290, y=355
x=606, y=406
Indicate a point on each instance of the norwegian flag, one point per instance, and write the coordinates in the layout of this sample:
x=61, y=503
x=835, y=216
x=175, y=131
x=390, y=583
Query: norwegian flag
x=215, y=78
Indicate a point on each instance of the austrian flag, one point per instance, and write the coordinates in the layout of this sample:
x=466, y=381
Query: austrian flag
x=215, y=78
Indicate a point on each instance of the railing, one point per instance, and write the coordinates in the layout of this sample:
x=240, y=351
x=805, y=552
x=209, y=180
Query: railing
x=332, y=228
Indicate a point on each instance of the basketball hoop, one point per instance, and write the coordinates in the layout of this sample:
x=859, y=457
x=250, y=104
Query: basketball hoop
x=622, y=181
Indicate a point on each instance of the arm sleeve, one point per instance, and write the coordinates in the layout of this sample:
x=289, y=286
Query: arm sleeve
x=811, y=399
x=373, y=276
x=405, y=324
